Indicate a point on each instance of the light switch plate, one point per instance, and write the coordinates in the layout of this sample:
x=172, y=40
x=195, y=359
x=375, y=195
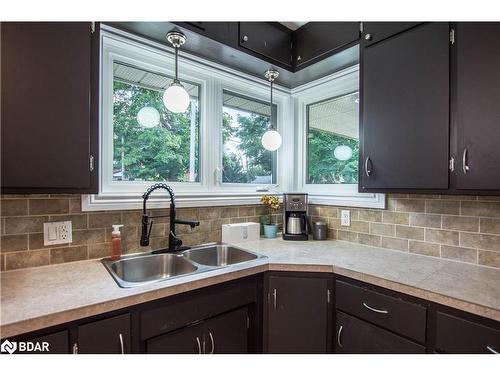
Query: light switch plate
x=345, y=218
x=57, y=233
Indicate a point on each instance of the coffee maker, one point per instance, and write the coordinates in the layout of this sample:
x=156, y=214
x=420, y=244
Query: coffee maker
x=295, y=223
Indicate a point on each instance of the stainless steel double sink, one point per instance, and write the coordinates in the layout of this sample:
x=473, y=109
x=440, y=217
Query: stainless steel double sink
x=140, y=269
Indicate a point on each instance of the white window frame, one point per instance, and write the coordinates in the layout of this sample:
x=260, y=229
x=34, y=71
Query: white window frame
x=213, y=79
x=335, y=85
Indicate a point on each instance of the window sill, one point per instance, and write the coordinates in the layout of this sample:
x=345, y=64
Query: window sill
x=360, y=200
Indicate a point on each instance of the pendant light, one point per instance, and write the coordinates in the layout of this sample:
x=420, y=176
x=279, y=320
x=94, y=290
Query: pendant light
x=271, y=140
x=175, y=97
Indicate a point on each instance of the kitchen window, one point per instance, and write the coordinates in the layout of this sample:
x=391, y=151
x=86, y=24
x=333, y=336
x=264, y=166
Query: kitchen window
x=244, y=159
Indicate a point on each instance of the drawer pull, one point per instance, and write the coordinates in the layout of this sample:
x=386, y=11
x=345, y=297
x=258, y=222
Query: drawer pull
x=212, y=342
x=339, y=341
x=374, y=309
x=199, y=344
x=492, y=350
x=275, y=297
x=75, y=348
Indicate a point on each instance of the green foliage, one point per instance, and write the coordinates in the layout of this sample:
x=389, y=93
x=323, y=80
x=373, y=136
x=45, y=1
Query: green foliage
x=324, y=168
x=160, y=153
x=252, y=159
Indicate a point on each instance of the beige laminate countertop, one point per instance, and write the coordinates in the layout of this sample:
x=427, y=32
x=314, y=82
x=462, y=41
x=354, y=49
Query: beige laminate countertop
x=37, y=298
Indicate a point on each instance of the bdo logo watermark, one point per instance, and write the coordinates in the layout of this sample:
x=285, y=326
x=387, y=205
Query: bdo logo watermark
x=24, y=347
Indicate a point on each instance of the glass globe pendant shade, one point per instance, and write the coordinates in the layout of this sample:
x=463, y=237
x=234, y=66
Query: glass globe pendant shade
x=271, y=140
x=148, y=117
x=176, y=98
x=342, y=152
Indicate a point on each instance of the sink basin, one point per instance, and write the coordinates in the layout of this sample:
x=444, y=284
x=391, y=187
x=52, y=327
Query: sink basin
x=148, y=268
x=218, y=255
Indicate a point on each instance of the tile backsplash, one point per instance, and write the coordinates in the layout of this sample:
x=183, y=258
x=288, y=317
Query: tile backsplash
x=462, y=228
x=22, y=218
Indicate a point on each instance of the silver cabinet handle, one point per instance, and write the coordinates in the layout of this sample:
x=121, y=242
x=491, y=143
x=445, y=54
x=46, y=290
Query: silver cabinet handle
x=122, y=347
x=199, y=344
x=368, y=172
x=374, y=309
x=212, y=341
x=492, y=350
x=75, y=348
x=275, y=297
x=339, y=341
x=465, y=167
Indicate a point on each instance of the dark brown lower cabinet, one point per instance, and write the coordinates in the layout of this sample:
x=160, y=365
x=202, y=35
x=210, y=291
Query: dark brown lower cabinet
x=355, y=336
x=58, y=343
x=297, y=315
x=223, y=334
x=107, y=336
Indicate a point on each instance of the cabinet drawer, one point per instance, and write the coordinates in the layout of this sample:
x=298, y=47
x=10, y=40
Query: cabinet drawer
x=358, y=337
x=457, y=335
x=403, y=317
x=58, y=343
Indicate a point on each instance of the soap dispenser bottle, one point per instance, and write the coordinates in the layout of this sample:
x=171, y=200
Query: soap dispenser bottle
x=116, y=242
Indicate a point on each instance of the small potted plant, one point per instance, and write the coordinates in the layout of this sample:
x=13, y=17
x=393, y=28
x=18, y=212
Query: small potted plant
x=273, y=203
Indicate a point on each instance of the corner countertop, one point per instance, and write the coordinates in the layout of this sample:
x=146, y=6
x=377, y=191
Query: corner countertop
x=37, y=298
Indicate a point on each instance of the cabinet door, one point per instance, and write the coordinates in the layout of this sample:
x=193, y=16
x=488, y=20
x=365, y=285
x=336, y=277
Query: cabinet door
x=46, y=105
x=477, y=106
x=58, y=343
x=108, y=336
x=404, y=121
x=227, y=333
x=374, y=32
x=316, y=40
x=297, y=315
x=187, y=340
x=268, y=39
x=354, y=336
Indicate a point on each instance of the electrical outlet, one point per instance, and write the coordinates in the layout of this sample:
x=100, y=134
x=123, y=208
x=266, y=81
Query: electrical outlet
x=57, y=233
x=345, y=218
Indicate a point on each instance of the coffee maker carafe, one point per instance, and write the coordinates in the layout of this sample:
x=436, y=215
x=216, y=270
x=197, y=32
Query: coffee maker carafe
x=295, y=224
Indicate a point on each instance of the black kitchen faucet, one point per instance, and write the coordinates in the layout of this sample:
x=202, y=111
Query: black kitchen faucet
x=174, y=243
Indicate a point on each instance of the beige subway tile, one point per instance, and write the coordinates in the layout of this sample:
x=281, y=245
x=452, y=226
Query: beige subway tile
x=229, y=212
x=329, y=211
x=2, y=262
x=413, y=233
x=332, y=234
x=491, y=226
x=86, y=236
x=246, y=211
x=159, y=243
x=445, y=207
x=209, y=213
x=410, y=205
x=370, y=215
x=369, y=239
x=48, y=206
x=263, y=210
x=215, y=236
x=24, y=259
x=489, y=258
x=235, y=220
x=479, y=208
x=132, y=218
x=314, y=210
x=398, y=195
x=25, y=224
x=391, y=204
x=188, y=214
x=424, y=196
x=104, y=219
x=424, y=248
x=68, y=254
x=334, y=223
x=444, y=237
x=492, y=198
x=462, y=254
x=395, y=243
x=359, y=226
x=217, y=223
x=425, y=220
x=345, y=235
x=160, y=215
x=77, y=221
x=157, y=230
x=14, y=207
x=480, y=241
x=391, y=217
x=459, y=197
x=382, y=229
x=75, y=206
x=15, y=242
x=35, y=242
x=99, y=250
x=463, y=223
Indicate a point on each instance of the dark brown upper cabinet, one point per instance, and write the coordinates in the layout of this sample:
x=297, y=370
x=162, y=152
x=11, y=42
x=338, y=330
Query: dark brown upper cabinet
x=374, y=32
x=269, y=39
x=475, y=107
x=404, y=112
x=317, y=40
x=49, y=107
x=298, y=315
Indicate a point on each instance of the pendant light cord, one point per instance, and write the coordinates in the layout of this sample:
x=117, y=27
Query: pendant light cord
x=272, y=117
x=176, y=64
